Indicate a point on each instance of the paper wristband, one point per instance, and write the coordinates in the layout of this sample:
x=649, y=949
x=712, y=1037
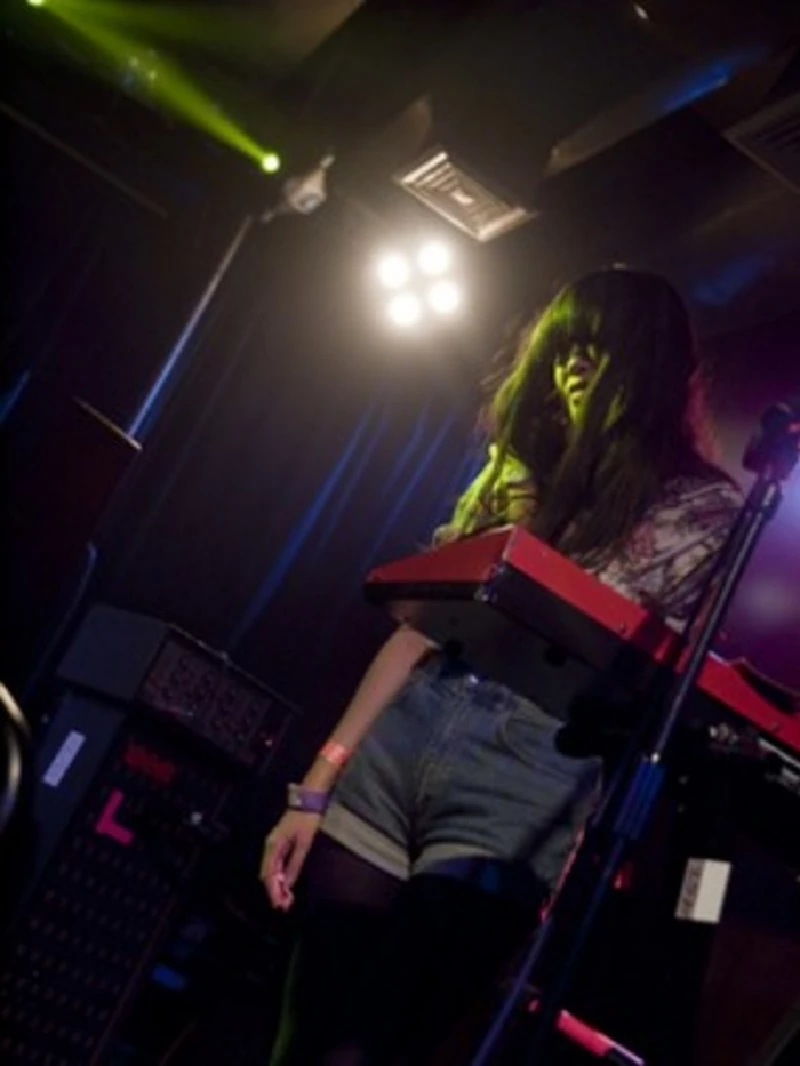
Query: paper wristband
x=307, y=800
x=334, y=753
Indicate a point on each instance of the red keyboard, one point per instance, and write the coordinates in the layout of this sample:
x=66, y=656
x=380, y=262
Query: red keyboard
x=516, y=610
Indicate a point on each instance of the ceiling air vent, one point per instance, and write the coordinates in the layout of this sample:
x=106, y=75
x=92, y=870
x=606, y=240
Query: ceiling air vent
x=446, y=188
x=772, y=139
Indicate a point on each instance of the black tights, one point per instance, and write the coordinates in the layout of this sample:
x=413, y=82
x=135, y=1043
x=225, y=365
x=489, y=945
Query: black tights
x=382, y=969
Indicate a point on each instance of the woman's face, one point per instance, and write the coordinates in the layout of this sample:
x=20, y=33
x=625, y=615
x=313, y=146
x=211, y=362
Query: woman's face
x=574, y=372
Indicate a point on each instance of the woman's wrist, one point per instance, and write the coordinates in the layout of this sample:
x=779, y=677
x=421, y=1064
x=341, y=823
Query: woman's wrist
x=327, y=766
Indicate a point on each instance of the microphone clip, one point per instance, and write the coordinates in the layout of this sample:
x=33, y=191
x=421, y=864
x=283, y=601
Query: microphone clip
x=774, y=449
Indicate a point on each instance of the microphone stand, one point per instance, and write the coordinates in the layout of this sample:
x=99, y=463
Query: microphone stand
x=772, y=455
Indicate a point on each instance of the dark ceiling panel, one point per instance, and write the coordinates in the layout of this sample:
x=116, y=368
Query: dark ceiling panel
x=378, y=80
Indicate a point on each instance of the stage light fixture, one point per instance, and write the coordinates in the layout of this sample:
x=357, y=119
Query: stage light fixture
x=270, y=162
x=405, y=309
x=444, y=297
x=393, y=270
x=434, y=257
x=423, y=280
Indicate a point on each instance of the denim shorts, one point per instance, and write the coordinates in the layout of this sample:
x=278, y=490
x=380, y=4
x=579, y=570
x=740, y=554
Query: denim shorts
x=459, y=767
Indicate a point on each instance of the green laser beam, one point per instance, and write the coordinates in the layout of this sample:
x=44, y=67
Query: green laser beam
x=230, y=31
x=157, y=80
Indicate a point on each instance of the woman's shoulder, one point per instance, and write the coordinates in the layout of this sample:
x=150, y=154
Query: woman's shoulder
x=708, y=487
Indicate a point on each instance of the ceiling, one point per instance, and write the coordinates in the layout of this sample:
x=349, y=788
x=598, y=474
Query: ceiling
x=621, y=93
x=663, y=179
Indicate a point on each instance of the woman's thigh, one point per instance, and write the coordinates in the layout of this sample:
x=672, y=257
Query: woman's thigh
x=345, y=907
x=384, y=970
x=448, y=943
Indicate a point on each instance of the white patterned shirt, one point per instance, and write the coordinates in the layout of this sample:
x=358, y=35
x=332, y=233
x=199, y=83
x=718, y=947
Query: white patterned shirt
x=669, y=555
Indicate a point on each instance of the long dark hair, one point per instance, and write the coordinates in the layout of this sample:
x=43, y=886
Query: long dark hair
x=588, y=484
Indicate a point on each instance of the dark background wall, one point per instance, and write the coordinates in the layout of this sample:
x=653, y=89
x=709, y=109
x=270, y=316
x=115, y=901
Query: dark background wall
x=301, y=445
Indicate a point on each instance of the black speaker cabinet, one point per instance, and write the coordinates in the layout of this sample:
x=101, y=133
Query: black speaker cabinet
x=131, y=779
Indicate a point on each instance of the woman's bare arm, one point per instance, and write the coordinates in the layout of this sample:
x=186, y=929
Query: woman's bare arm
x=385, y=676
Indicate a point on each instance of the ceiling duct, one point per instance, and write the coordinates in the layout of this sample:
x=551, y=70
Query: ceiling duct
x=530, y=90
x=448, y=188
x=771, y=138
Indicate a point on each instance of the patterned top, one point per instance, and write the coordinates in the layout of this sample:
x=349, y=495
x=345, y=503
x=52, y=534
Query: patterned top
x=670, y=554
x=666, y=560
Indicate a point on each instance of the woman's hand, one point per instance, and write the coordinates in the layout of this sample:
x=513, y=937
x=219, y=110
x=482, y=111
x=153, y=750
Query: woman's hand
x=285, y=851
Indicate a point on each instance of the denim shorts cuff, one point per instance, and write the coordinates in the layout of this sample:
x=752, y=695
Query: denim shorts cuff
x=435, y=854
x=358, y=836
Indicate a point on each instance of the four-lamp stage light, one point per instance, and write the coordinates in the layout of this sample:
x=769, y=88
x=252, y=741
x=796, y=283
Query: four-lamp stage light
x=419, y=282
